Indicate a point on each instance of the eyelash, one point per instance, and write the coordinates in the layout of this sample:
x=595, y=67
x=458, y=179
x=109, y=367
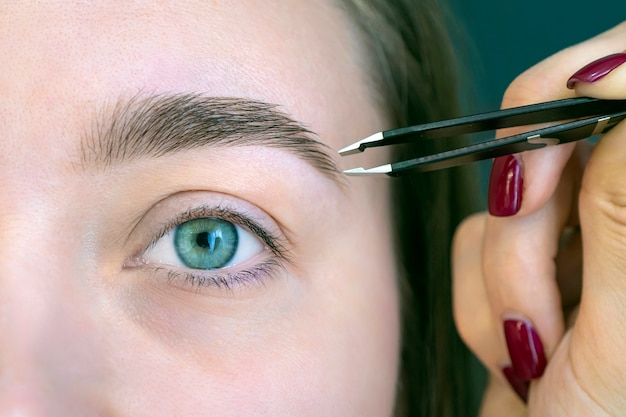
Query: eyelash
x=227, y=280
x=256, y=275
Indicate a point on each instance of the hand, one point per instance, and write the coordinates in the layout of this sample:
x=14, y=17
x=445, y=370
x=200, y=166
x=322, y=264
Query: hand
x=519, y=277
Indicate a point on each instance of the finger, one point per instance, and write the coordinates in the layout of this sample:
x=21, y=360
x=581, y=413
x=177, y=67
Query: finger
x=472, y=313
x=519, y=270
x=474, y=319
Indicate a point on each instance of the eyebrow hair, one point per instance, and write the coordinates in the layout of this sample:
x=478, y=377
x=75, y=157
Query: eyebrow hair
x=155, y=126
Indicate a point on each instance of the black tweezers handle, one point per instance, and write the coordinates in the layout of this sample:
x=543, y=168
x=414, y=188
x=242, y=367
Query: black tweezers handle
x=571, y=108
x=553, y=135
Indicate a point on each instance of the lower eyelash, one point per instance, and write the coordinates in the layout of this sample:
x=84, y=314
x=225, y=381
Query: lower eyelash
x=198, y=279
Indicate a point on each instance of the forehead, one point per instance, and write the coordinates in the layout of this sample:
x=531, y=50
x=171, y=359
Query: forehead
x=62, y=59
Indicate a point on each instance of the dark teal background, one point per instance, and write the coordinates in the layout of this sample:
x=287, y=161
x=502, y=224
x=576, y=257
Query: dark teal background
x=505, y=37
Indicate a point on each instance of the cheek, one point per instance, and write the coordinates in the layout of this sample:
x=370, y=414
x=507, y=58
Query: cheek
x=334, y=354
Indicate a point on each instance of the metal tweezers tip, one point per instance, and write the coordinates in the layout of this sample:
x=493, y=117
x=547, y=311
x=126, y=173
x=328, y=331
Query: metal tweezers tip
x=383, y=169
x=356, y=146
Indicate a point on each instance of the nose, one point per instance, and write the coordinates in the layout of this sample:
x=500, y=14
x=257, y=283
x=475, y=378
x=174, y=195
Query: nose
x=50, y=362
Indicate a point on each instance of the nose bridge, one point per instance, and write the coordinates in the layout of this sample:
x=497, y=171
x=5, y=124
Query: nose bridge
x=45, y=353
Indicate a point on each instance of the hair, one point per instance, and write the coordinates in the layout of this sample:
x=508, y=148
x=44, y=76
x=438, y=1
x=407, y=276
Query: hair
x=412, y=68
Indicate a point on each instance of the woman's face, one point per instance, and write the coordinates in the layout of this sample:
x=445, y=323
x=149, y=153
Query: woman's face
x=170, y=245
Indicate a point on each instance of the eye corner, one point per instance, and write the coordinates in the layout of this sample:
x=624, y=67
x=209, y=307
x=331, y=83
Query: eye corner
x=135, y=261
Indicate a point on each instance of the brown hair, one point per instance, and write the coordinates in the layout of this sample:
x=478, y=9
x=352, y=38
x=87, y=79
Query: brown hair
x=413, y=73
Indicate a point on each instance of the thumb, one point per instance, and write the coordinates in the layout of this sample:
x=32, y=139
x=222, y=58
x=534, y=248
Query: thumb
x=598, y=343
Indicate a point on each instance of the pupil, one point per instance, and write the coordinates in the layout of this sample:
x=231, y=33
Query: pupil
x=203, y=240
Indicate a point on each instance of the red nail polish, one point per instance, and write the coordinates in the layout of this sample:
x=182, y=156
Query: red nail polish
x=525, y=349
x=596, y=70
x=506, y=183
x=520, y=387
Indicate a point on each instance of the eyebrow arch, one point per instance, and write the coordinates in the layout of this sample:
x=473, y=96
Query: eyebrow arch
x=158, y=125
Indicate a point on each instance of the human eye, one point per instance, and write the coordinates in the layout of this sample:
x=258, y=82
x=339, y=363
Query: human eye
x=205, y=243
x=213, y=246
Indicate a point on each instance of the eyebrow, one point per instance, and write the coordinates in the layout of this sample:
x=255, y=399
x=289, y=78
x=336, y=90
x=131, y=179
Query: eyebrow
x=155, y=126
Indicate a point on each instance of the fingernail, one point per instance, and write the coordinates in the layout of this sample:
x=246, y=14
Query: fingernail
x=505, y=186
x=520, y=387
x=525, y=349
x=596, y=70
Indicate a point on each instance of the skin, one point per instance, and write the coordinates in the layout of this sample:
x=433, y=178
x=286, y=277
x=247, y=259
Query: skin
x=84, y=330
x=520, y=266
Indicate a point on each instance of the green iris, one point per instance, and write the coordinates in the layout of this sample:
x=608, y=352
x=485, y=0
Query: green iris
x=206, y=243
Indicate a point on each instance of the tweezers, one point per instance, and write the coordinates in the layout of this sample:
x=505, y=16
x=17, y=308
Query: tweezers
x=584, y=117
